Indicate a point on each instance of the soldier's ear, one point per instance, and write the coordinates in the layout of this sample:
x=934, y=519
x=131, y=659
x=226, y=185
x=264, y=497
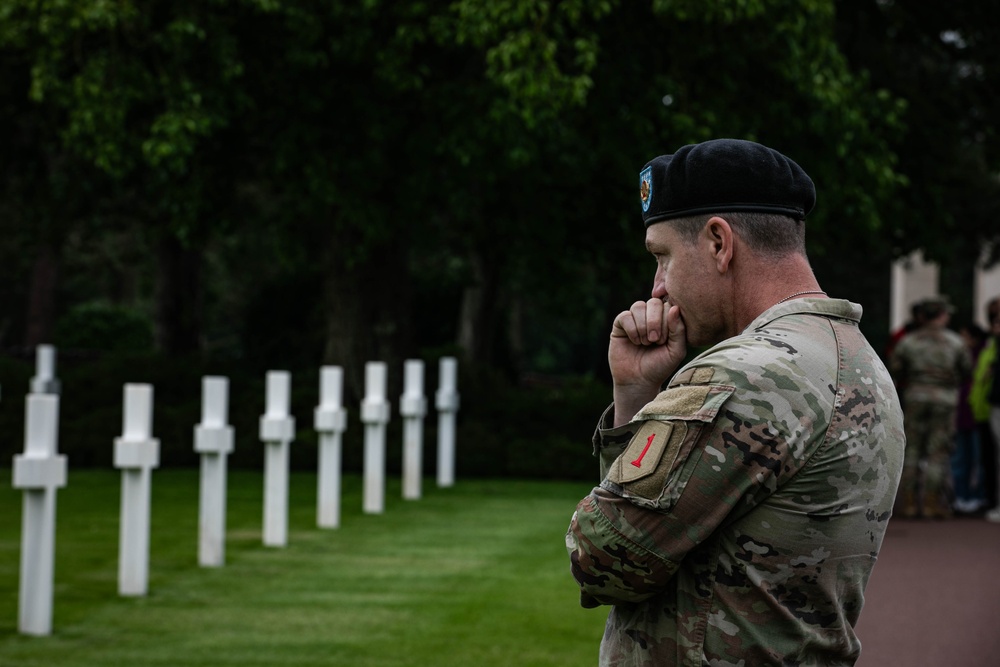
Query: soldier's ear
x=720, y=240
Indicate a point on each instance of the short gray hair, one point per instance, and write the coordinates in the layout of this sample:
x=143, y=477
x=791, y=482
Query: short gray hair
x=765, y=233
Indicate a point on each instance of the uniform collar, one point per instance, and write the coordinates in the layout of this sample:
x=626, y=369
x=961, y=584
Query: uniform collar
x=839, y=308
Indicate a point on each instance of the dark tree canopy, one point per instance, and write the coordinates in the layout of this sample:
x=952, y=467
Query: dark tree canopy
x=345, y=181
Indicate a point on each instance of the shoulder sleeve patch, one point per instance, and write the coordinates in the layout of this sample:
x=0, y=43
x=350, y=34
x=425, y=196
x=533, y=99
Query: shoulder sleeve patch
x=643, y=454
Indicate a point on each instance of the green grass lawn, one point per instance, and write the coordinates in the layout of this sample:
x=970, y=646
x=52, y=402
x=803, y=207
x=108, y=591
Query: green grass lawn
x=471, y=576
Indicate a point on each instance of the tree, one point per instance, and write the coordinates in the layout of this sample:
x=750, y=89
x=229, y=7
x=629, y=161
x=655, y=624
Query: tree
x=367, y=160
x=142, y=99
x=944, y=62
x=45, y=189
x=670, y=73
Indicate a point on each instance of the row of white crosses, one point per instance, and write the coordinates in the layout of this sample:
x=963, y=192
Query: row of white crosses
x=136, y=454
x=213, y=439
x=40, y=470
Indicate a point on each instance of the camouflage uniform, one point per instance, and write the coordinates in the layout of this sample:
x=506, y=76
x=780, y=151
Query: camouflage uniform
x=743, y=509
x=929, y=364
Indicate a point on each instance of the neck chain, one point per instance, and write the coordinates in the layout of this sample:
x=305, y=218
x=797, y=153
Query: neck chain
x=792, y=296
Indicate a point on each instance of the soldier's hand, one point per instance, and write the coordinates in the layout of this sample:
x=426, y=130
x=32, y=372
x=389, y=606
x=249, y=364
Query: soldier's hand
x=647, y=345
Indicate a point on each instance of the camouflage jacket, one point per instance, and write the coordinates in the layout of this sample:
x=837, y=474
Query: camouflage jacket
x=742, y=510
x=930, y=364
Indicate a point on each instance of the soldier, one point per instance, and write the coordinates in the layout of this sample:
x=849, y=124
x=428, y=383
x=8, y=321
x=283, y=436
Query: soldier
x=931, y=363
x=743, y=505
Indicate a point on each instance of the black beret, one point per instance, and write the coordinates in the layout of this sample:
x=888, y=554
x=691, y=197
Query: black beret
x=724, y=176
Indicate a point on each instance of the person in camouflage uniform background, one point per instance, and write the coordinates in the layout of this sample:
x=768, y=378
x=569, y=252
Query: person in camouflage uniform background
x=742, y=506
x=929, y=364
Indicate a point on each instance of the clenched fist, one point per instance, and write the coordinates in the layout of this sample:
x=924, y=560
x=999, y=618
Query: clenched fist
x=647, y=345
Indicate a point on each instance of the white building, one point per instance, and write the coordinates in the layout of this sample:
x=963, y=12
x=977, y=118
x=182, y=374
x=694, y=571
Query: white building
x=914, y=278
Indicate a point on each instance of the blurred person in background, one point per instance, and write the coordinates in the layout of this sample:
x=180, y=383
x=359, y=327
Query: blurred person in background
x=929, y=364
x=994, y=400
x=966, y=459
x=979, y=399
x=912, y=324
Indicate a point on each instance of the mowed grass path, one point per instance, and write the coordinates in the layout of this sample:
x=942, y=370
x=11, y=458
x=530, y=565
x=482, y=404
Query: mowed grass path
x=471, y=576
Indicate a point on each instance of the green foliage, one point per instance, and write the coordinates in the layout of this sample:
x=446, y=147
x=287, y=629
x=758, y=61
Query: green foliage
x=130, y=88
x=944, y=63
x=540, y=53
x=719, y=11
x=825, y=114
x=103, y=326
x=539, y=431
x=350, y=170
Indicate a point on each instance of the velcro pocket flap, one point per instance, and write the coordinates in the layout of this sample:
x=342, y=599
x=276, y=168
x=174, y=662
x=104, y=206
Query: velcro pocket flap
x=689, y=403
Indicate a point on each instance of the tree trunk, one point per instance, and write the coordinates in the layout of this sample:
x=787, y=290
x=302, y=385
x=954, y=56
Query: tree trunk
x=40, y=321
x=515, y=336
x=479, y=310
x=367, y=304
x=178, y=297
x=347, y=340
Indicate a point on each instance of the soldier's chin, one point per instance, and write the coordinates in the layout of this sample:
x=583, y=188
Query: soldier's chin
x=689, y=333
x=693, y=339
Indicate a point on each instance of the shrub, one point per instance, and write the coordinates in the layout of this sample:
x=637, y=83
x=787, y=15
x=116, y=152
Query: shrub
x=99, y=325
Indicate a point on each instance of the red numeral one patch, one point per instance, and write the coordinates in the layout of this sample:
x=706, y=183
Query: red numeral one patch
x=638, y=462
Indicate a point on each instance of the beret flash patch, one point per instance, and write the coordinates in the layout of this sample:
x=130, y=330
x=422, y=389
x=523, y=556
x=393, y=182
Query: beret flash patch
x=646, y=187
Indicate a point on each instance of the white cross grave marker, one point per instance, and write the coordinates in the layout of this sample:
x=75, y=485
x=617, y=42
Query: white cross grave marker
x=413, y=408
x=213, y=439
x=39, y=471
x=330, y=420
x=277, y=430
x=44, y=380
x=136, y=454
x=447, y=401
x=375, y=416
